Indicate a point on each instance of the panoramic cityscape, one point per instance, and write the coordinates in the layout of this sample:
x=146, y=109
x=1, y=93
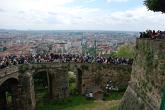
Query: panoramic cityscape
x=82, y=55
x=63, y=42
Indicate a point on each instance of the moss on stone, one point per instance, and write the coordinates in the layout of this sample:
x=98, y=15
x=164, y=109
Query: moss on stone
x=23, y=68
x=85, y=67
x=162, y=54
x=162, y=68
x=149, y=59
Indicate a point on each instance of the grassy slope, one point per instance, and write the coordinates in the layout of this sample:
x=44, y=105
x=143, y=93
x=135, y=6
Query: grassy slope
x=73, y=103
x=113, y=108
x=80, y=103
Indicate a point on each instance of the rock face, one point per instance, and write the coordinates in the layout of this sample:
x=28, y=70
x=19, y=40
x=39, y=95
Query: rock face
x=147, y=78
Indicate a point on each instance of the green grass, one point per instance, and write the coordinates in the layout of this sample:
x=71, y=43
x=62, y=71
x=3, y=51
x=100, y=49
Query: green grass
x=72, y=103
x=114, y=96
x=40, y=94
x=76, y=103
x=72, y=87
x=114, y=108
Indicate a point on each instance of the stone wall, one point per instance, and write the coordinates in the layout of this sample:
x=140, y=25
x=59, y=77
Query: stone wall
x=91, y=75
x=148, y=76
x=57, y=75
x=8, y=73
x=97, y=75
x=27, y=94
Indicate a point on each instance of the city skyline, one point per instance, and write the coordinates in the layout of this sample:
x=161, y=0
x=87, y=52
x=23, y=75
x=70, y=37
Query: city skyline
x=122, y=15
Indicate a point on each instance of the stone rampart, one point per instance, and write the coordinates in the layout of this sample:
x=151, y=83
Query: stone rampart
x=88, y=76
x=147, y=78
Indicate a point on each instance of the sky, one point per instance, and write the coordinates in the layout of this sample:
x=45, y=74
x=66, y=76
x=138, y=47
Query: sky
x=121, y=15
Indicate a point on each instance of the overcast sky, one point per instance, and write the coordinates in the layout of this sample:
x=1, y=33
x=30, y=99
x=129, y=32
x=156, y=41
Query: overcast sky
x=125, y=15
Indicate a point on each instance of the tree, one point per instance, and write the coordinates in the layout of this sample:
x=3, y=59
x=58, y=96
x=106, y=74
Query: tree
x=126, y=51
x=155, y=5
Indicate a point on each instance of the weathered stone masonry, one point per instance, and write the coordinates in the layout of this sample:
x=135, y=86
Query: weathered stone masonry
x=88, y=76
x=58, y=79
x=147, y=78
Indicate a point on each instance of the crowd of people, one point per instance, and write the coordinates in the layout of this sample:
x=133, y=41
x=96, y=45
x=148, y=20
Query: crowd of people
x=63, y=58
x=153, y=34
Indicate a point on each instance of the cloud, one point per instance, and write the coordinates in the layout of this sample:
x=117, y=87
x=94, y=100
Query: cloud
x=87, y=1
x=135, y=19
x=57, y=14
x=117, y=0
x=2, y=10
x=33, y=4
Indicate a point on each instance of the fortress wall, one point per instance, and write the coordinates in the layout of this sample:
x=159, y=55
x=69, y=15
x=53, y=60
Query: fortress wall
x=147, y=78
x=97, y=75
x=92, y=75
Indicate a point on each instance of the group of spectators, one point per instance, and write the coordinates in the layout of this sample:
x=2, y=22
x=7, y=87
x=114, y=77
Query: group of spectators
x=153, y=34
x=63, y=58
